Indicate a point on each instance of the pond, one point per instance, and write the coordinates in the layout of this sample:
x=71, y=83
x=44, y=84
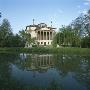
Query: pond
x=44, y=72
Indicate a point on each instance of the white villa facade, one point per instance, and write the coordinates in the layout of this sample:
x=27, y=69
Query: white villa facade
x=43, y=35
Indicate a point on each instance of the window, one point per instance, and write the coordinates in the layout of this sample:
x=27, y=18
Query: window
x=44, y=43
x=41, y=42
x=48, y=42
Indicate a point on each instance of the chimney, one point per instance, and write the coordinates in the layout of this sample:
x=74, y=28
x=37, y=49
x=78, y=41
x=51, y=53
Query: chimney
x=51, y=24
x=33, y=21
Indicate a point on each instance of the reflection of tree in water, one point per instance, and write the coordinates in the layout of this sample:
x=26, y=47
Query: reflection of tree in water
x=62, y=63
x=65, y=63
x=5, y=71
x=54, y=86
x=83, y=72
x=80, y=65
x=24, y=61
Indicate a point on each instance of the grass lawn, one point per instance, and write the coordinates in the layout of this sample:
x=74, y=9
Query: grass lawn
x=39, y=50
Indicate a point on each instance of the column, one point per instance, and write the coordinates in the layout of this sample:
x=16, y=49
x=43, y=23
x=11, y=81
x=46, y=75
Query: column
x=52, y=35
x=40, y=35
x=43, y=35
x=46, y=35
x=49, y=36
x=37, y=36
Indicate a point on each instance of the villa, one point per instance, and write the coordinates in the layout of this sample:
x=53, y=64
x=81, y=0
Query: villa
x=42, y=33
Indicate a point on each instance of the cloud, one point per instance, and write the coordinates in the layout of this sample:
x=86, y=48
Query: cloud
x=84, y=11
x=87, y=0
x=86, y=3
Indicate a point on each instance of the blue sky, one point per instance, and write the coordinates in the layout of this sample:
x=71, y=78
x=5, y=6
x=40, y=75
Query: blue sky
x=61, y=12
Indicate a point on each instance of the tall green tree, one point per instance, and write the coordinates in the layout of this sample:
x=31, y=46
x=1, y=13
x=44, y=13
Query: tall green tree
x=26, y=37
x=67, y=37
x=81, y=26
x=7, y=38
x=5, y=32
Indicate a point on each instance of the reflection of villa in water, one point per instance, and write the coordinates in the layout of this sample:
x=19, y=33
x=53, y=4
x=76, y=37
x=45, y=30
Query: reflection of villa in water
x=43, y=61
x=40, y=62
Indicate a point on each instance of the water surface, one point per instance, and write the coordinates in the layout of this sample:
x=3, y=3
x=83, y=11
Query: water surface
x=44, y=72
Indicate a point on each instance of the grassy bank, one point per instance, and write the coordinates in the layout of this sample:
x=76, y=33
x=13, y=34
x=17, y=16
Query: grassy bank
x=83, y=51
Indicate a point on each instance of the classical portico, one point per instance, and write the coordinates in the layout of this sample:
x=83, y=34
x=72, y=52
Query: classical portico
x=45, y=37
x=43, y=34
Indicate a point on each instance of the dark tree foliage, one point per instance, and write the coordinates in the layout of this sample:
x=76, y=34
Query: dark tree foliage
x=82, y=26
x=77, y=34
x=7, y=38
x=67, y=37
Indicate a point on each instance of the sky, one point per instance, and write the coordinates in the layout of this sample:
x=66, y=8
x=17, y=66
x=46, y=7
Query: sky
x=21, y=13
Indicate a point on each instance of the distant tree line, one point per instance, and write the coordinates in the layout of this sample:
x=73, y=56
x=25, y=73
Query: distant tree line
x=77, y=34
x=7, y=38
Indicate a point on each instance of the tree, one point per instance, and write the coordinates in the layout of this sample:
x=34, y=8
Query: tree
x=16, y=41
x=54, y=42
x=5, y=32
x=0, y=15
x=7, y=38
x=67, y=37
x=26, y=37
x=82, y=24
x=81, y=27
